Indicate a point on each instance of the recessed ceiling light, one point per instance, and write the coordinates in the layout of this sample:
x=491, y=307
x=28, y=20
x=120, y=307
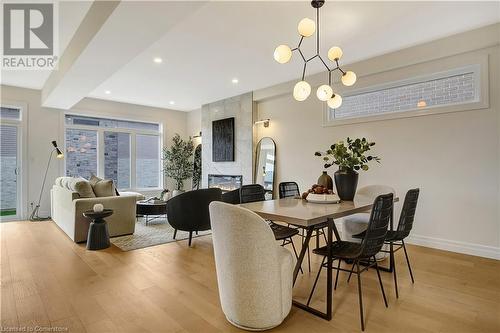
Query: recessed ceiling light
x=158, y=60
x=107, y=92
x=235, y=80
x=171, y=102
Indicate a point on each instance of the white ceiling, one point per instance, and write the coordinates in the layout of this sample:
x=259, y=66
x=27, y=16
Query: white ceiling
x=225, y=40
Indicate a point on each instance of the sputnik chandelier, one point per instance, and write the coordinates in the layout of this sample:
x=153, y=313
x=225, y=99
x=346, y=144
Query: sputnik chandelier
x=302, y=89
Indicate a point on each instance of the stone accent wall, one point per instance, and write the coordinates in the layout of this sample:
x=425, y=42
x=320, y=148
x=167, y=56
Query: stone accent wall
x=242, y=109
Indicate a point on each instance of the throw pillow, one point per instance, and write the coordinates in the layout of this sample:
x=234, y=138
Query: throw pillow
x=84, y=189
x=94, y=180
x=104, y=188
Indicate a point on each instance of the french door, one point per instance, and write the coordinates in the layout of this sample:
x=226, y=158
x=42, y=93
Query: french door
x=10, y=162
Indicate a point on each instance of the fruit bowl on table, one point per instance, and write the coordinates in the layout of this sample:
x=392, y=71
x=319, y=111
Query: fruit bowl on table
x=323, y=198
x=320, y=194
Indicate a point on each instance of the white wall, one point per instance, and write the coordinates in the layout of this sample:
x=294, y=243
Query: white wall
x=453, y=158
x=46, y=124
x=194, y=126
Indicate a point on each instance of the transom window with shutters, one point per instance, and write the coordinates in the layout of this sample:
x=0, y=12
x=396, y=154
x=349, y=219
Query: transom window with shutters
x=126, y=151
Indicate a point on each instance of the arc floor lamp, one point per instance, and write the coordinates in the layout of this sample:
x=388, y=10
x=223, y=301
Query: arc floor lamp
x=34, y=214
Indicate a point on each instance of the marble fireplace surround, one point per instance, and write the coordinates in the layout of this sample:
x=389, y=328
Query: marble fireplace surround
x=242, y=108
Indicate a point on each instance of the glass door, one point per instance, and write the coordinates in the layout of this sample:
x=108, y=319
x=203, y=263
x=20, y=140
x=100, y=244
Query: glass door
x=9, y=172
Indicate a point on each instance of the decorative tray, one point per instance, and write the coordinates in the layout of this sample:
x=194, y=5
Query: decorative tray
x=323, y=198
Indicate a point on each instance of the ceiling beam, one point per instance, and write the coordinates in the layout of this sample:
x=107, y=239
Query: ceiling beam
x=112, y=34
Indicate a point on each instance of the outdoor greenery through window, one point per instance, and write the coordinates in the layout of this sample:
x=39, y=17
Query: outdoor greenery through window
x=126, y=151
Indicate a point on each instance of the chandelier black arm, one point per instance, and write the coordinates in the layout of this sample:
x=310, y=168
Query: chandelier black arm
x=314, y=56
x=304, y=71
x=302, y=55
x=300, y=42
x=324, y=63
x=317, y=30
x=338, y=67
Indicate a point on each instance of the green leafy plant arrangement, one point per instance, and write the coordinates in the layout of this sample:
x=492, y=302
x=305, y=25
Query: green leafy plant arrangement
x=349, y=157
x=177, y=163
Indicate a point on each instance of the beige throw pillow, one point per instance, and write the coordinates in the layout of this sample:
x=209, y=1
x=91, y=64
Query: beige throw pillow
x=104, y=188
x=94, y=180
x=84, y=189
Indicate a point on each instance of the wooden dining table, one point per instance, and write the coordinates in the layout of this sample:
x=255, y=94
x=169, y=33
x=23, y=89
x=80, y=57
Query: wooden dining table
x=306, y=215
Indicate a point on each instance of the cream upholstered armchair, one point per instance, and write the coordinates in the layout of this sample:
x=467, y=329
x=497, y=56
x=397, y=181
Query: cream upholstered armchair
x=254, y=273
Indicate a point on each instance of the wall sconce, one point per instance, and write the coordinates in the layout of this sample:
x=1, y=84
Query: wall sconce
x=197, y=135
x=263, y=121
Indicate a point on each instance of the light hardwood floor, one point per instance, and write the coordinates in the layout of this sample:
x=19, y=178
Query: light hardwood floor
x=48, y=281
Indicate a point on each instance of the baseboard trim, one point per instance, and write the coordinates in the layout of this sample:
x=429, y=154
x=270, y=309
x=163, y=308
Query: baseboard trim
x=491, y=252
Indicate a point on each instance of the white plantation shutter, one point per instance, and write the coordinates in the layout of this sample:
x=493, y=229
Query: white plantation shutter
x=8, y=171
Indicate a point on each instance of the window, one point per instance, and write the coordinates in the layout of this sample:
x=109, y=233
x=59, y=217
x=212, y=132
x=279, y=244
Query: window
x=117, y=158
x=81, y=153
x=10, y=113
x=147, y=161
x=8, y=154
x=126, y=151
x=10, y=163
x=415, y=96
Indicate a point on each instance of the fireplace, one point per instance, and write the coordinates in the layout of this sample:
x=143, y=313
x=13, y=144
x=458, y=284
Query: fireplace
x=225, y=182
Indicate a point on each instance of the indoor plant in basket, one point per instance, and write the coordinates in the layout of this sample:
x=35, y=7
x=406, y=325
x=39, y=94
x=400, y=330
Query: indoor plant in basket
x=350, y=158
x=177, y=162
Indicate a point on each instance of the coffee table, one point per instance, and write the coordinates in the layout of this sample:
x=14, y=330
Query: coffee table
x=98, y=236
x=148, y=209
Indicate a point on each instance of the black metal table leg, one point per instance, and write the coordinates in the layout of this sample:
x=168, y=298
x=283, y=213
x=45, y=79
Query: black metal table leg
x=329, y=291
x=329, y=283
x=305, y=246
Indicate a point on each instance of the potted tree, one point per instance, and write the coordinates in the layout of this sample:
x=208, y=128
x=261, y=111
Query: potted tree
x=350, y=158
x=177, y=162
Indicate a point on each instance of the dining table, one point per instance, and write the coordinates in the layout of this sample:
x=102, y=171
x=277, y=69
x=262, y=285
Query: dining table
x=304, y=214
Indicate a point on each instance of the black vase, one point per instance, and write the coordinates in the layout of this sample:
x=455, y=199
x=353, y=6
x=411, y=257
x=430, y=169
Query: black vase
x=346, y=182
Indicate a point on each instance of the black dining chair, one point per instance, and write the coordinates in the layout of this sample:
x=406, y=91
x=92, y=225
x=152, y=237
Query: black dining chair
x=291, y=190
x=189, y=211
x=361, y=252
x=397, y=237
x=231, y=197
x=254, y=193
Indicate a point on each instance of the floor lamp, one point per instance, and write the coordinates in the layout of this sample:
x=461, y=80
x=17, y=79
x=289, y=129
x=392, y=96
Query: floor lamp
x=34, y=214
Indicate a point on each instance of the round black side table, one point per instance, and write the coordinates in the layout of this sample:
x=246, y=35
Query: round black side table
x=98, y=236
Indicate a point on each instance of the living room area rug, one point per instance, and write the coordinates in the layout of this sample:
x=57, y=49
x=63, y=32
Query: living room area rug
x=158, y=231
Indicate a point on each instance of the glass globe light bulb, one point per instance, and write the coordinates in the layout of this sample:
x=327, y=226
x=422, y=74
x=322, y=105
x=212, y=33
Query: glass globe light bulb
x=306, y=27
x=282, y=54
x=335, y=102
x=335, y=53
x=349, y=78
x=324, y=92
x=301, y=91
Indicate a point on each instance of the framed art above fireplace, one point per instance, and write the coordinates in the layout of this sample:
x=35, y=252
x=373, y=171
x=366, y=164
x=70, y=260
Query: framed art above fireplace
x=223, y=140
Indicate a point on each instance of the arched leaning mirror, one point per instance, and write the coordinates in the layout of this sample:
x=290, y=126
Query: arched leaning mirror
x=265, y=159
x=197, y=168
